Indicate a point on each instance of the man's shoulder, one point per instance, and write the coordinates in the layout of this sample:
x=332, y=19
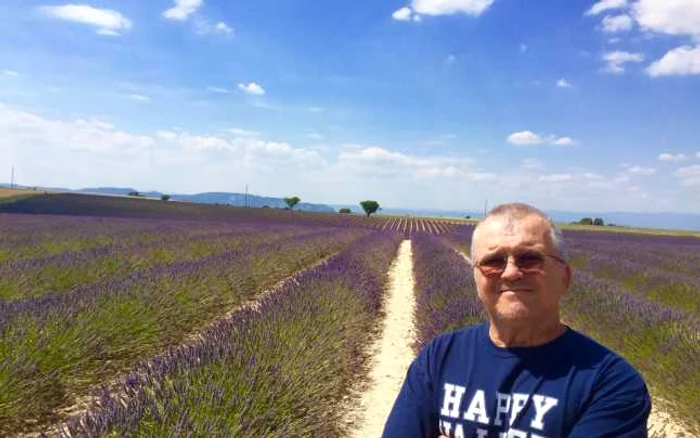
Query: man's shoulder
x=464, y=337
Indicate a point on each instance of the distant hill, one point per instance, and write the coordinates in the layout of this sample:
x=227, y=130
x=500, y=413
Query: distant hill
x=225, y=198
x=666, y=220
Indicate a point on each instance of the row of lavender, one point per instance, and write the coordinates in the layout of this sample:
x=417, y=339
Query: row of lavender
x=55, y=345
x=444, y=287
x=285, y=368
x=30, y=236
x=31, y=277
x=661, y=269
x=633, y=294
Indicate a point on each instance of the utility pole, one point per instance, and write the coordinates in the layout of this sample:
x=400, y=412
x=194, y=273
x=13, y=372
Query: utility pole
x=12, y=178
x=246, y=196
x=486, y=207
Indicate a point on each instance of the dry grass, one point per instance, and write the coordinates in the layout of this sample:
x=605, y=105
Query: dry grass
x=615, y=229
x=9, y=193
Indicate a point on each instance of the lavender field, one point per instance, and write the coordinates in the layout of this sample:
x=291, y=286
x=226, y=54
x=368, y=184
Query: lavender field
x=225, y=325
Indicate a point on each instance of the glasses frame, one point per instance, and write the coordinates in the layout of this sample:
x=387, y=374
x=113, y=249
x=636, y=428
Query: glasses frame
x=477, y=264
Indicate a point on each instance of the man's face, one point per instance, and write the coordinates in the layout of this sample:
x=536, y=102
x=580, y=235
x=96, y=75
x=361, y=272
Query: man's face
x=515, y=295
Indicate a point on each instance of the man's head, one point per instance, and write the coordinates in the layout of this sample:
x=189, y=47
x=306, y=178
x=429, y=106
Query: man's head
x=520, y=266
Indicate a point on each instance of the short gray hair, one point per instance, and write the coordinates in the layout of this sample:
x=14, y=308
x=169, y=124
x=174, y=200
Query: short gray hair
x=517, y=210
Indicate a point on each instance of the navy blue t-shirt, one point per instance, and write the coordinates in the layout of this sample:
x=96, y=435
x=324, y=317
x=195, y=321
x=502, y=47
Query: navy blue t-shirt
x=463, y=385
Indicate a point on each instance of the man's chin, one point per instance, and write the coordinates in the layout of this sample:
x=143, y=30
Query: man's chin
x=514, y=312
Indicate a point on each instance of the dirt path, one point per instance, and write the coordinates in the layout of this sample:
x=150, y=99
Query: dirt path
x=662, y=425
x=392, y=352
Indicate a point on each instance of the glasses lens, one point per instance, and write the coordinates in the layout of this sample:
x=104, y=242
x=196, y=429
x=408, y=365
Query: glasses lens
x=529, y=260
x=493, y=264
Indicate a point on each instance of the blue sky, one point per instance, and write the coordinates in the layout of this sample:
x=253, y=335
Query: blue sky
x=574, y=105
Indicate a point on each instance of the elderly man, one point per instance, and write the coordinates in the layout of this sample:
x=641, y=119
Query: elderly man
x=523, y=373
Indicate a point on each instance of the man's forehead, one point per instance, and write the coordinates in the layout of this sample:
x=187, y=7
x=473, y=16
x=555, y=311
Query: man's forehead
x=528, y=230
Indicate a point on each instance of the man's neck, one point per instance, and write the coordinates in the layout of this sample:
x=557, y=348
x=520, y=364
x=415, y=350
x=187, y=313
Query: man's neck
x=524, y=333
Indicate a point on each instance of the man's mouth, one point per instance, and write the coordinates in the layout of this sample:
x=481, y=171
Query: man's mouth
x=515, y=290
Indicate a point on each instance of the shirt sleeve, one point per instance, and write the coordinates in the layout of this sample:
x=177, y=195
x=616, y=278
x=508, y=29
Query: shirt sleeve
x=413, y=414
x=619, y=406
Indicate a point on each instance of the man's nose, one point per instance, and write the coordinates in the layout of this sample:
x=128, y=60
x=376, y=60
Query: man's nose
x=511, y=271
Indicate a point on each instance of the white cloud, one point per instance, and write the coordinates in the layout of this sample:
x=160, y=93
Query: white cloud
x=638, y=170
x=618, y=23
x=449, y=7
x=252, y=88
x=314, y=135
x=616, y=60
x=166, y=135
x=672, y=157
x=139, y=98
x=204, y=27
x=380, y=162
x=524, y=138
x=107, y=21
x=182, y=9
x=673, y=17
x=523, y=48
x=606, y=5
x=450, y=59
x=698, y=155
x=403, y=14
x=9, y=72
x=244, y=132
x=20, y=130
x=682, y=61
x=218, y=90
x=222, y=27
x=532, y=164
x=690, y=176
x=557, y=177
x=563, y=141
x=563, y=83
x=315, y=109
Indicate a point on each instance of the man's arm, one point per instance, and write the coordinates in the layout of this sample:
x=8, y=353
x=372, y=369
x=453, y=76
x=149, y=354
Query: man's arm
x=619, y=407
x=413, y=414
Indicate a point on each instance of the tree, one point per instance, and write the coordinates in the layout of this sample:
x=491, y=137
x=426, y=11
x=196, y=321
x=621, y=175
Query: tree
x=291, y=202
x=165, y=197
x=369, y=207
x=345, y=211
x=598, y=221
x=134, y=193
x=586, y=221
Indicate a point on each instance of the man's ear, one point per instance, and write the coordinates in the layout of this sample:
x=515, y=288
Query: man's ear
x=568, y=276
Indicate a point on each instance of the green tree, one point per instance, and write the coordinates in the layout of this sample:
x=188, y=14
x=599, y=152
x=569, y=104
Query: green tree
x=345, y=211
x=165, y=197
x=586, y=221
x=598, y=221
x=291, y=202
x=135, y=193
x=369, y=207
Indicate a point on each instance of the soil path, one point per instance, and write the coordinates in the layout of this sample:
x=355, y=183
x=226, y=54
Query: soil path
x=663, y=425
x=392, y=352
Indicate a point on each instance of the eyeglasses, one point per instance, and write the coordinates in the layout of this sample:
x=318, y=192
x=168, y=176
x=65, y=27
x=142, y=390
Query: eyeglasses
x=529, y=262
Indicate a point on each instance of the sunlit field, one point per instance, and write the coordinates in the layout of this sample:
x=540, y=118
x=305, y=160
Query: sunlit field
x=257, y=323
